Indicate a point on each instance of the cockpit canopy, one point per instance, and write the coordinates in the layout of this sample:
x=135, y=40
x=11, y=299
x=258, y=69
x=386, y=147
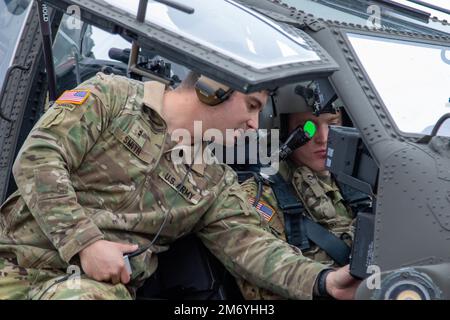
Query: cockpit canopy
x=250, y=52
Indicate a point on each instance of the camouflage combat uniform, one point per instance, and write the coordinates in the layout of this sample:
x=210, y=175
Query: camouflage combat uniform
x=324, y=204
x=102, y=170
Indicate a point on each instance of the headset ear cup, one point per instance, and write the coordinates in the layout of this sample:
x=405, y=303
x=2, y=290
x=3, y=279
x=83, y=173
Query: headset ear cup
x=211, y=92
x=210, y=100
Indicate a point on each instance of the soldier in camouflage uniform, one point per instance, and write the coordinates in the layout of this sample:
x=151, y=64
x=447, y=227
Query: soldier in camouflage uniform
x=313, y=185
x=96, y=179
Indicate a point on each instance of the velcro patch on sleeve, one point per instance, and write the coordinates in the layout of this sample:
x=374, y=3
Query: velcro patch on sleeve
x=73, y=97
x=263, y=209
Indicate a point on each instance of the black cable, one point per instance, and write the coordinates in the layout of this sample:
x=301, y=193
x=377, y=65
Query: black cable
x=259, y=181
x=145, y=248
x=66, y=277
x=259, y=193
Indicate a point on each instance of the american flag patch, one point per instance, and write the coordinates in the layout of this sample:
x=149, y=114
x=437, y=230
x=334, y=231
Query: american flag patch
x=73, y=96
x=263, y=209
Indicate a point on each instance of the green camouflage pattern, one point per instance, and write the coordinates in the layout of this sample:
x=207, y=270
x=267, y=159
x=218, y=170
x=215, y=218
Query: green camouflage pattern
x=324, y=204
x=102, y=170
x=18, y=283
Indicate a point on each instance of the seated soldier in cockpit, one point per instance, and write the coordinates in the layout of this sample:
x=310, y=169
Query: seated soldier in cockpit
x=304, y=180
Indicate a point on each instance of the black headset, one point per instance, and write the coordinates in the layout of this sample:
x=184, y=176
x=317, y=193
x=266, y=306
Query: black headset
x=211, y=92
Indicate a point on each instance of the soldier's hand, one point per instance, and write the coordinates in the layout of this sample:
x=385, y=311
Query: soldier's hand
x=103, y=261
x=341, y=285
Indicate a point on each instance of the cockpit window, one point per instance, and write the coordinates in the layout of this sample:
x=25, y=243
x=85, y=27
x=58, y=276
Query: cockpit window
x=248, y=37
x=412, y=78
x=13, y=14
x=363, y=13
x=437, y=8
x=83, y=41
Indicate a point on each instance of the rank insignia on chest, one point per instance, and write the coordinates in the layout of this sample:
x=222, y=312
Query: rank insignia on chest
x=138, y=134
x=263, y=209
x=73, y=97
x=135, y=138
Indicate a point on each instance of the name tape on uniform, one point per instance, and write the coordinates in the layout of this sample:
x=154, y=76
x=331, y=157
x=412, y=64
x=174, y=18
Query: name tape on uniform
x=174, y=182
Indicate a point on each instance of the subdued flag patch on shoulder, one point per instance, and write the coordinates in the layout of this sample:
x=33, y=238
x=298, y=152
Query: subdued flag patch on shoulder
x=263, y=209
x=73, y=96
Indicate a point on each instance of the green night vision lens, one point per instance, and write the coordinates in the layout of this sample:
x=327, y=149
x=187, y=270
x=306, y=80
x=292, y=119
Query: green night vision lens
x=310, y=128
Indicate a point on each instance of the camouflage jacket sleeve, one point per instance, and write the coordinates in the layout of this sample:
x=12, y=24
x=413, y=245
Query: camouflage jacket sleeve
x=54, y=148
x=232, y=230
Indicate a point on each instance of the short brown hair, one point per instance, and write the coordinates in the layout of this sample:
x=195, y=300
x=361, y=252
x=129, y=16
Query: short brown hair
x=190, y=80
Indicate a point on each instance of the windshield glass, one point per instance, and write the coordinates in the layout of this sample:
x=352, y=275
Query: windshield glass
x=249, y=37
x=412, y=79
x=442, y=14
x=84, y=41
x=361, y=12
x=13, y=14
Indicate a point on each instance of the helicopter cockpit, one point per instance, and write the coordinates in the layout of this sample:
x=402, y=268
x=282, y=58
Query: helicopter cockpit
x=386, y=62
